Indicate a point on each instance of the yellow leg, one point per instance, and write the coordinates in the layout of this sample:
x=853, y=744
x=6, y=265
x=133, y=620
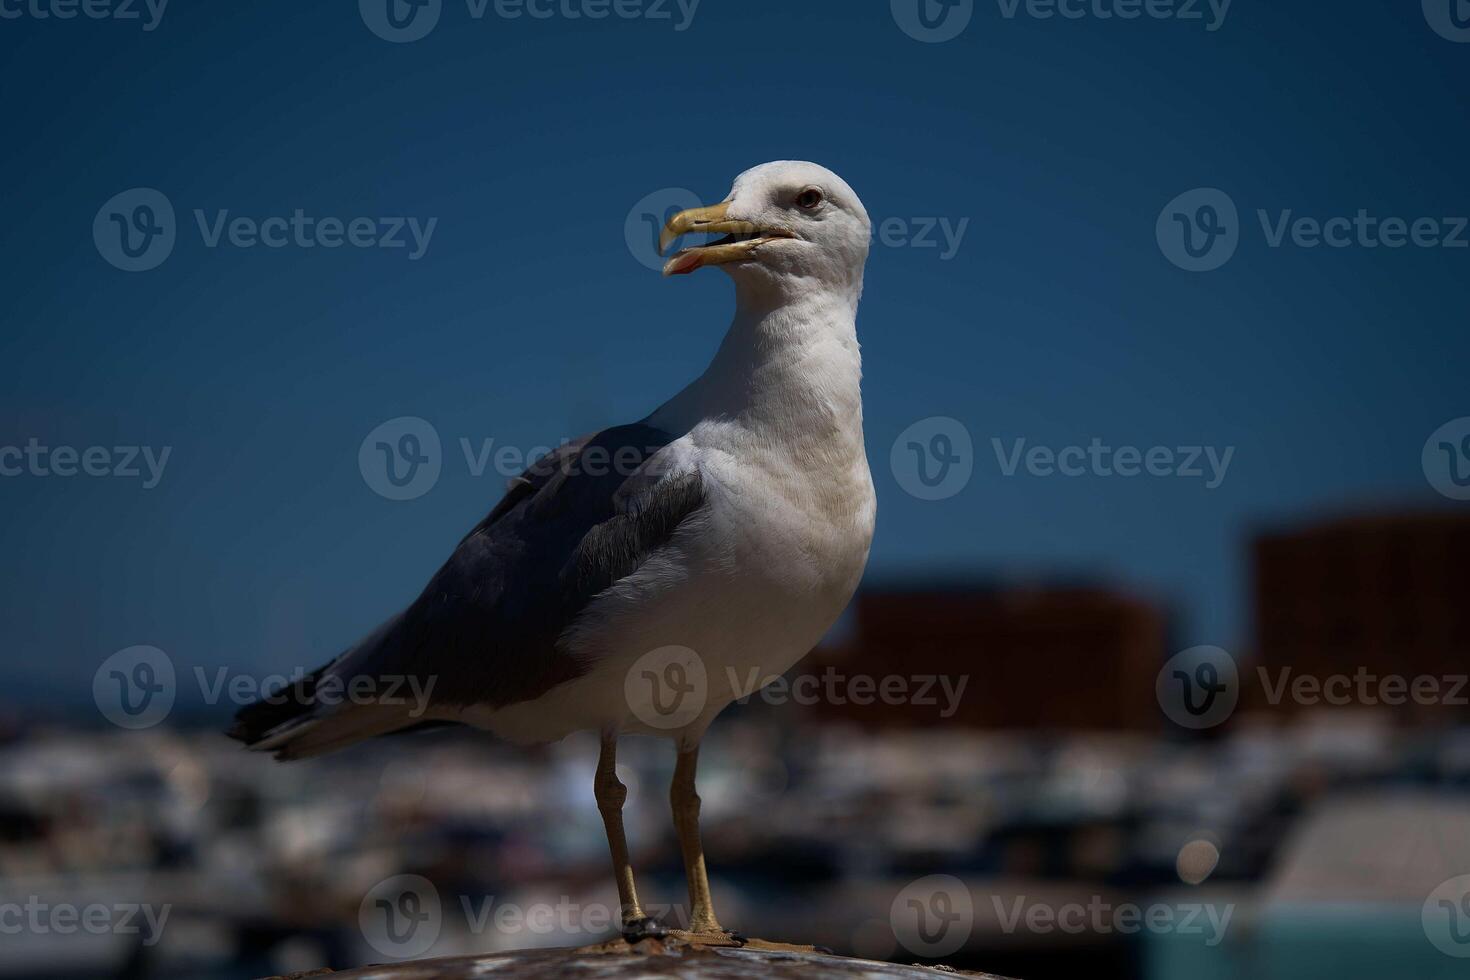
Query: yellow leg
x=686, y=821
x=611, y=794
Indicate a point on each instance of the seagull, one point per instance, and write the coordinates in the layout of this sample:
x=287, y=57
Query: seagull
x=639, y=579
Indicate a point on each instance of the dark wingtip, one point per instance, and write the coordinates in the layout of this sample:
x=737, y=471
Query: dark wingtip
x=254, y=722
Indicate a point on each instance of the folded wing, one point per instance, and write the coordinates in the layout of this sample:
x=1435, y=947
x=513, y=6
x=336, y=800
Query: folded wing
x=485, y=629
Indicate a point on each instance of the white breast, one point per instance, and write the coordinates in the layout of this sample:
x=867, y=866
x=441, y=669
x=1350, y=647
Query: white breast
x=753, y=581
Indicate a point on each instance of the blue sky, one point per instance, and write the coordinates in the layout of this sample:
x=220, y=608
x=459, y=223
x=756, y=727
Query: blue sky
x=1046, y=146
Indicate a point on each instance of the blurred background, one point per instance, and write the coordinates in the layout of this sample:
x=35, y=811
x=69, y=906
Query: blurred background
x=1159, y=669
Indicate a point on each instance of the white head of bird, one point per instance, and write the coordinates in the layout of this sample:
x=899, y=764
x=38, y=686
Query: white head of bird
x=789, y=226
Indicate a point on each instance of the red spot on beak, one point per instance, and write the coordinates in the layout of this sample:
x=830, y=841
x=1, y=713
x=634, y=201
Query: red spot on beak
x=683, y=263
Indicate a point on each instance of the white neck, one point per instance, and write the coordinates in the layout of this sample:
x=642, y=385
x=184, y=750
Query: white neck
x=788, y=369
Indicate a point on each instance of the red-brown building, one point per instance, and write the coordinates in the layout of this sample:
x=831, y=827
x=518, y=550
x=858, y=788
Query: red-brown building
x=1049, y=658
x=1381, y=595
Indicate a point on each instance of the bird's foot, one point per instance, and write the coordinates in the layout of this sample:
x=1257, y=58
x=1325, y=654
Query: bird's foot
x=706, y=934
x=643, y=927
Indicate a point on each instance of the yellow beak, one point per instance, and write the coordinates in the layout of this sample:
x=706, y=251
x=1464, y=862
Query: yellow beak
x=713, y=220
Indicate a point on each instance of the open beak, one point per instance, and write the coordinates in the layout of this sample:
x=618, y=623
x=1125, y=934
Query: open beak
x=741, y=239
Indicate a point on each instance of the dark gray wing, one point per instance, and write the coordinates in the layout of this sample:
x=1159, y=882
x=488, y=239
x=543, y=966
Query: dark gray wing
x=485, y=628
x=569, y=527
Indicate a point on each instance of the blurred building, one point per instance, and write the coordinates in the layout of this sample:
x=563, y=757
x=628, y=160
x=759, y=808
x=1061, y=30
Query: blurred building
x=1383, y=596
x=1061, y=658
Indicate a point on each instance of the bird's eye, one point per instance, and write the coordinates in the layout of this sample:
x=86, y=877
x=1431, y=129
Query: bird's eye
x=808, y=199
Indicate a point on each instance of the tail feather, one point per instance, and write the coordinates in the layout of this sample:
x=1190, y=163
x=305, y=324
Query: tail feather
x=310, y=736
x=293, y=723
x=311, y=716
